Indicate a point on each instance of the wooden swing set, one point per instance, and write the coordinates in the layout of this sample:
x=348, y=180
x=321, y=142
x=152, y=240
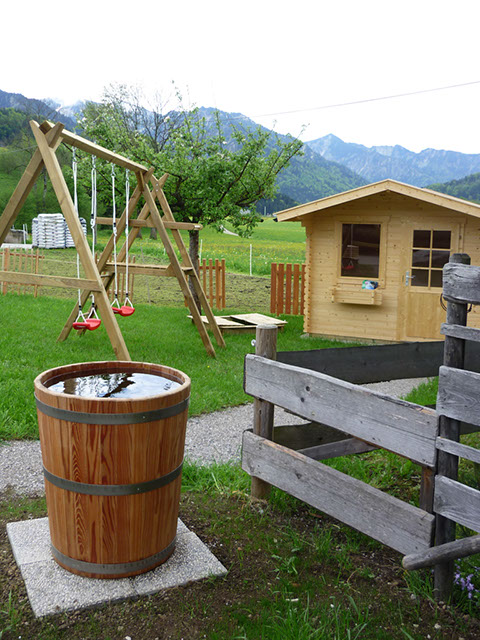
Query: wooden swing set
x=100, y=274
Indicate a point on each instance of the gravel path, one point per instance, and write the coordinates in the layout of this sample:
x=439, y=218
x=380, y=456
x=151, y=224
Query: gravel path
x=212, y=437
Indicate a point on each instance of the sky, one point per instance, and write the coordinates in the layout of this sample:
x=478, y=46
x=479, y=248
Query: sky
x=285, y=65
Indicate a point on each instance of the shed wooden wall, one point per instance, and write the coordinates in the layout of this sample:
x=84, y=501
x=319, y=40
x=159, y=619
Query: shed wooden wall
x=399, y=215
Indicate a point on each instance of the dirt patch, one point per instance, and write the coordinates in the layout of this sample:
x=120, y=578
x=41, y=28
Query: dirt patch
x=274, y=563
x=242, y=293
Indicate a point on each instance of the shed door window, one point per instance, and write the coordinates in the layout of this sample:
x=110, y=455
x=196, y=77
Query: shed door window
x=430, y=252
x=360, y=250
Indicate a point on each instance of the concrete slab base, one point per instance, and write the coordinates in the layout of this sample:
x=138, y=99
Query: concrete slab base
x=51, y=589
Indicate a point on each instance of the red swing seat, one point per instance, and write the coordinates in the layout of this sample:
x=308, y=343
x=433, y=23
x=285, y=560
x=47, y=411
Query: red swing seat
x=90, y=324
x=124, y=310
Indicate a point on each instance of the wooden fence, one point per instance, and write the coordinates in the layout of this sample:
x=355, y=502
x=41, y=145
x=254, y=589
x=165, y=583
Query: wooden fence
x=212, y=278
x=287, y=288
x=17, y=260
x=349, y=418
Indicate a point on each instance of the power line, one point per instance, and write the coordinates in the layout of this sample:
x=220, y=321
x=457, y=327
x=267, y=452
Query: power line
x=354, y=102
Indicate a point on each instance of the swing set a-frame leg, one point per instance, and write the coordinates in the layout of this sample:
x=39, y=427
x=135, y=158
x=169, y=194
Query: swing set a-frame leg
x=26, y=183
x=178, y=271
x=212, y=322
x=68, y=209
x=103, y=259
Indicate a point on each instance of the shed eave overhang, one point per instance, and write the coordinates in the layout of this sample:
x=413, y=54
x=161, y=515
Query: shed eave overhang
x=424, y=195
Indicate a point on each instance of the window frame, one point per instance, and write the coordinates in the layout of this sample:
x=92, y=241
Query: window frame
x=428, y=270
x=382, y=221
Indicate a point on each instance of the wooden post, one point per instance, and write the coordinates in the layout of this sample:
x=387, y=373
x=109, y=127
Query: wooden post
x=217, y=283
x=273, y=287
x=6, y=265
x=288, y=289
x=35, y=271
x=280, y=286
x=447, y=464
x=210, y=282
x=427, y=485
x=302, y=292
x=37, y=264
x=263, y=412
x=296, y=287
x=224, y=295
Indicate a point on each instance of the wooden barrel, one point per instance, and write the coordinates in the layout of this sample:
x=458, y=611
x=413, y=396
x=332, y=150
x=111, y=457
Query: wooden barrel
x=112, y=470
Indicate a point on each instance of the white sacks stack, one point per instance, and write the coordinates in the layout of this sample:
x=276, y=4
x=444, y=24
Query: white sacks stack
x=50, y=231
x=35, y=232
x=68, y=236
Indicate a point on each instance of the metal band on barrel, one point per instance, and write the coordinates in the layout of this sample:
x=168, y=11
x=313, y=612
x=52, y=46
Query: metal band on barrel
x=112, y=418
x=114, y=569
x=112, y=489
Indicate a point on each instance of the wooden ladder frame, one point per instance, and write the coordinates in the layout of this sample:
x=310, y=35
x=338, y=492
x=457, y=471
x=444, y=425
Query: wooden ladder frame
x=99, y=275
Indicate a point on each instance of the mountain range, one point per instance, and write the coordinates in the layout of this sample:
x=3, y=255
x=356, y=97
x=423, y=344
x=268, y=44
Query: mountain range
x=378, y=163
x=328, y=164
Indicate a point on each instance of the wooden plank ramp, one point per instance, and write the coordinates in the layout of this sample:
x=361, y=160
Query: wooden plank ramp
x=243, y=323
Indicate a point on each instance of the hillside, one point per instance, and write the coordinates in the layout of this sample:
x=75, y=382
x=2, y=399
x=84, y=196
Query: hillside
x=467, y=188
x=328, y=165
x=40, y=109
x=308, y=177
x=377, y=163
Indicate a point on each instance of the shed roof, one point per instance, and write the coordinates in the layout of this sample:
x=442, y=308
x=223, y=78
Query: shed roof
x=384, y=186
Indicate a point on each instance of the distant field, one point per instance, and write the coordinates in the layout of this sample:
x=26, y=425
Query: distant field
x=271, y=242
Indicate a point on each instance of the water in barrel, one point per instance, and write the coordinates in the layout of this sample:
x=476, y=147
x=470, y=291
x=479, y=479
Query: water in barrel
x=115, y=385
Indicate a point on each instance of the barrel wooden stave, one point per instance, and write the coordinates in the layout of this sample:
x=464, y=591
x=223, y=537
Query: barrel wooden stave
x=112, y=529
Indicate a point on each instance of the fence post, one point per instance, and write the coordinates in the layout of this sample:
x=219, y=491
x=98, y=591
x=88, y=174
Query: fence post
x=263, y=412
x=6, y=263
x=224, y=297
x=447, y=464
x=273, y=287
x=217, y=283
x=302, y=292
x=296, y=287
x=210, y=280
x=35, y=270
x=204, y=274
x=288, y=288
x=280, y=284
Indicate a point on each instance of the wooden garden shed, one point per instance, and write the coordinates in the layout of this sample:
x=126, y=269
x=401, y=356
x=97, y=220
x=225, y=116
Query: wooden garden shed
x=374, y=260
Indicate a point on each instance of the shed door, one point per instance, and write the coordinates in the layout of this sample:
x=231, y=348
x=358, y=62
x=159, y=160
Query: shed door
x=429, y=250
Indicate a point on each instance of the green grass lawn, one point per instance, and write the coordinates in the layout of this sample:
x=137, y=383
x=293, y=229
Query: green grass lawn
x=30, y=327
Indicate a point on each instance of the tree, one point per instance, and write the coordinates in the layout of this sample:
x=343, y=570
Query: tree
x=218, y=170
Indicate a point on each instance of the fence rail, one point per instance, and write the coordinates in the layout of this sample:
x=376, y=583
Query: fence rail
x=429, y=438
x=287, y=288
x=16, y=260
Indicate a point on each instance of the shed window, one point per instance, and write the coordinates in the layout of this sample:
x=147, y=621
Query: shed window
x=430, y=252
x=360, y=250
